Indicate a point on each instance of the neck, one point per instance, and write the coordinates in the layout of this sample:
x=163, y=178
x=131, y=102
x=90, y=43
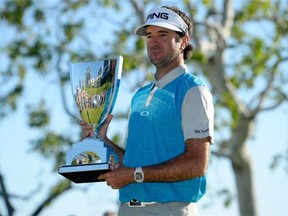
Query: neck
x=162, y=71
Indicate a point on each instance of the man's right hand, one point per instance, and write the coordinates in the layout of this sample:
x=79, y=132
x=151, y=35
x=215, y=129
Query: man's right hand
x=87, y=130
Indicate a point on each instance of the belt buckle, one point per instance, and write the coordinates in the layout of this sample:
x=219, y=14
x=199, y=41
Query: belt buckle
x=135, y=203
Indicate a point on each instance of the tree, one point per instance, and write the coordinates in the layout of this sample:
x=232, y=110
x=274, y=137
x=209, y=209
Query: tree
x=227, y=36
x=45, y=37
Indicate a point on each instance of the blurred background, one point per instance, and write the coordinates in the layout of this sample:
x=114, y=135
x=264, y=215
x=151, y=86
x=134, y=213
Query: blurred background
x=240, y=50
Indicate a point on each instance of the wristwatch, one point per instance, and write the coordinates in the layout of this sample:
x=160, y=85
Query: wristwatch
x=138, y=175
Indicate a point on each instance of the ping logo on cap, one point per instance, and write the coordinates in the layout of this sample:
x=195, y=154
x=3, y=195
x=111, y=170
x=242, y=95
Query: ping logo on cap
x=164, y=18
x=158, y=16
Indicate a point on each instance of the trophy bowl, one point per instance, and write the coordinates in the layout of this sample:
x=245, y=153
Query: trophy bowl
x=95, y=87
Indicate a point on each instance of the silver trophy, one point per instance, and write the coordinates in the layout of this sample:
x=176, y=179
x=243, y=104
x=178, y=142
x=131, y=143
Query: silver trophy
x=95, y=87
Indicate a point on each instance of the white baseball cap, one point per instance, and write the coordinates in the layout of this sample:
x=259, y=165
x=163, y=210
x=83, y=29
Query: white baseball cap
x=165, y=18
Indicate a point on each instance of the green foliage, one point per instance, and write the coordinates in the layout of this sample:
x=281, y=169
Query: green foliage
x=39, y=15
x=71, y=30
x=116, y=138
x=14, y=11
x=75, y=5
x=110, y=3
x=13, y=96
x=130, y=63
x=199, y=57
x=21, y=72
x=279, y=160
x=226, y=102
x=15, y=49
x=8, y=102
x=140, y=44
x=52, y=145
x=238, y=33
x=228, y=197
x=38, y=116
x=252, y=64
x=252, y=10
x=206, y=2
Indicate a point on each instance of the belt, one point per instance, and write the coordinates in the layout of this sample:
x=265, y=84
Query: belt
x=136, y=203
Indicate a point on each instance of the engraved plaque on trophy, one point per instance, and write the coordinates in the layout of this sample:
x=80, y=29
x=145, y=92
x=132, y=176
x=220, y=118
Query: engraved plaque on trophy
x=95, y=87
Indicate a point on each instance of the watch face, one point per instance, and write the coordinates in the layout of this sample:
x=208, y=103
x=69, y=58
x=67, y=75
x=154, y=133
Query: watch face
x=138, y=176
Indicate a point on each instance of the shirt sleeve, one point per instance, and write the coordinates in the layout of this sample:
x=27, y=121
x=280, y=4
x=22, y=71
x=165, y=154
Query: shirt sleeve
x=198, y=114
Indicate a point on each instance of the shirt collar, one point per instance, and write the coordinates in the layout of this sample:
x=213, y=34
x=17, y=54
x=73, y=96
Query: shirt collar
x=169, y=77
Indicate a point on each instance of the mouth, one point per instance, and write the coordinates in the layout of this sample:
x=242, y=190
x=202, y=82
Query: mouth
x=155, y=51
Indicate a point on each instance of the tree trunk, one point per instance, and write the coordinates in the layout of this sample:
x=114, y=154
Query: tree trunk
x=243, y=170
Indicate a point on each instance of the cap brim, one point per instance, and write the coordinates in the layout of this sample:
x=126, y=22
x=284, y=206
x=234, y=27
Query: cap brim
x=142, y=32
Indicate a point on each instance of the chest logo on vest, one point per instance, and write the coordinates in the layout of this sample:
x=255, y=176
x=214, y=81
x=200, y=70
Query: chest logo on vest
x=144, y=113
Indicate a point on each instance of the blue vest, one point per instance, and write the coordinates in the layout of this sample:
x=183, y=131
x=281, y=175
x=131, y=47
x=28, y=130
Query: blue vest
x=155, y=136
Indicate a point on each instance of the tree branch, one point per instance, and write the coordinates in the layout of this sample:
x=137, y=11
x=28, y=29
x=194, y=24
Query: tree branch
x=223, y=149
x=5, y=195
x=139, y=10
x=263, y=96
x=228, y=18
x=58, y=190
x=220, y=154
x=62, y=88
x=284, y=97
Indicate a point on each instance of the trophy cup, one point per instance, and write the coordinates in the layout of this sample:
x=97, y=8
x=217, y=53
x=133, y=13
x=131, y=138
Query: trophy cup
x=95, y=87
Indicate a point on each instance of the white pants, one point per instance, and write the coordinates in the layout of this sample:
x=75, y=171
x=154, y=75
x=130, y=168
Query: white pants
x=160, y=209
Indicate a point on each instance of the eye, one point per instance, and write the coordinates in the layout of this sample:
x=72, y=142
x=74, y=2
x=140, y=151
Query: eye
x=163, y=34
x=148, y=34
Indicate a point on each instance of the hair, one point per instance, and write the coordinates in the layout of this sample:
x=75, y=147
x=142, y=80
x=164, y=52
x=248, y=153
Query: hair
x=187, y=53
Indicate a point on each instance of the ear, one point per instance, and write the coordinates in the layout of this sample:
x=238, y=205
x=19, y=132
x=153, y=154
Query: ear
x=185, y=41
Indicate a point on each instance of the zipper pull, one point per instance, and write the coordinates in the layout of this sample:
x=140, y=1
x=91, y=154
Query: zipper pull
x=150, y=96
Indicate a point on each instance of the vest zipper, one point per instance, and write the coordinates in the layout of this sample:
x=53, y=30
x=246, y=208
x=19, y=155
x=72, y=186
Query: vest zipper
x=148, y=101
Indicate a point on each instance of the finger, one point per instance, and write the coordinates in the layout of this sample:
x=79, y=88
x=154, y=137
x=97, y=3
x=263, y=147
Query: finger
x=87, y=134
x=114, y=166
x=82, y=122
x=112, y=161
x=109, y=118
x=101, y=177
x=87, y=127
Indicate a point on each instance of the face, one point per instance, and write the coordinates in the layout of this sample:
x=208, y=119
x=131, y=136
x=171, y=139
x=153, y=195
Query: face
x=163, y=46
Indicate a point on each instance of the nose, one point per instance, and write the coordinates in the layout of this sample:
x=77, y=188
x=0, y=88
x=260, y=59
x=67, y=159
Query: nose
x=153, y=40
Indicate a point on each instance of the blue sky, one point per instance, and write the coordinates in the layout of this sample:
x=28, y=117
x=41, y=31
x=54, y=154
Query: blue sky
x=26, y=172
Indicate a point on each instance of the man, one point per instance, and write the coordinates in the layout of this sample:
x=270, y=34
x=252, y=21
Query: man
x=163, y=167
